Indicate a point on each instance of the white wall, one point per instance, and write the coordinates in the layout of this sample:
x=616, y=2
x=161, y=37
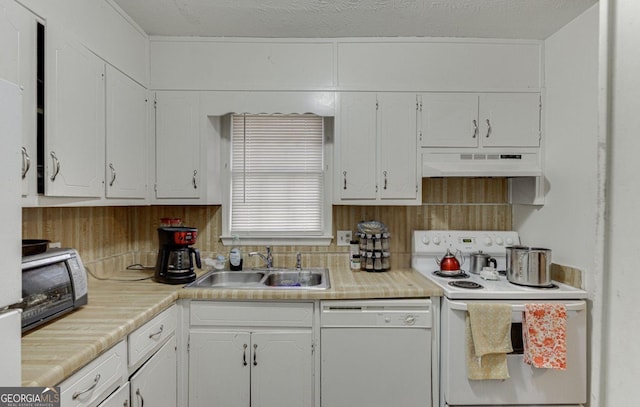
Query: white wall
x=570, y=221
x=621, y=359
x=567, y=222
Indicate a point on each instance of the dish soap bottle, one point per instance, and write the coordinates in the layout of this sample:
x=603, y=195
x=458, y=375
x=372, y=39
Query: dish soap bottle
x=235, y=255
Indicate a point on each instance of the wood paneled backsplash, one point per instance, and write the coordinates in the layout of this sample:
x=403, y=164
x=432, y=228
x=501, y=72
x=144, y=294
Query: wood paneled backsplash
x=117, y=236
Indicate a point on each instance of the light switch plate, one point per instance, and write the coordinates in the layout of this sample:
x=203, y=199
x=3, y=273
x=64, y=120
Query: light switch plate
x=344, y=237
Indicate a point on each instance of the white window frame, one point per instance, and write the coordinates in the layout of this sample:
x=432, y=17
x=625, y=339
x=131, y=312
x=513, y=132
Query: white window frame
x=276, y=239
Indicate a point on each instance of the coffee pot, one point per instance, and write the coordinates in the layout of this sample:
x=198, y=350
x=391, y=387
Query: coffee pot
x=176, y=257
x=479, y=260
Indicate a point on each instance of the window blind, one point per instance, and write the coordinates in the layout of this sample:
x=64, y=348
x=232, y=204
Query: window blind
x=277, y=178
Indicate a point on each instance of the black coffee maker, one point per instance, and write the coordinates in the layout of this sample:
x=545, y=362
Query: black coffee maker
x=176, y=256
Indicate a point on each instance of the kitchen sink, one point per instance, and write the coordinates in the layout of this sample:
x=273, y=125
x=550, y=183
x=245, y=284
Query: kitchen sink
x=263, y=278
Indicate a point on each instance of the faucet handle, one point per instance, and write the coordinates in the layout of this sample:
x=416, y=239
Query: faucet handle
x=298, y=261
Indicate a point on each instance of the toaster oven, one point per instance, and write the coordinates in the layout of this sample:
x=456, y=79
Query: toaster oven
x=54, y=283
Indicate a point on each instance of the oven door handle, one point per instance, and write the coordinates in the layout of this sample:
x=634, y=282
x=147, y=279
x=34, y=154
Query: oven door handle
x=571, y=306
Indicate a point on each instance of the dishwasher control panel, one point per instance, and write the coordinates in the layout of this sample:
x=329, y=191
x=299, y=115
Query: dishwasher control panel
x=377, y=313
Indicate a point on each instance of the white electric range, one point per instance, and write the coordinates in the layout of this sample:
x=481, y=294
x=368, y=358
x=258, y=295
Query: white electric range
x=527, y=386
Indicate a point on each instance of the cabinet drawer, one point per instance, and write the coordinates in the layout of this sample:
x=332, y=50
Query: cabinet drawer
x=149, y=337
x=251, y=314
x=91, y=384
x=119, y=398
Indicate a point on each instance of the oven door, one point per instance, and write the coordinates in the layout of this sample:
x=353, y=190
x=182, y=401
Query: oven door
x=47, y=293
x=527, y=385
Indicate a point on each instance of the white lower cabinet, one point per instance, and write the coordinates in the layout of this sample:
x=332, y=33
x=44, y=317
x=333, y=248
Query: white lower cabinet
x=155, y=383
x=119, y=398
x=268, y=362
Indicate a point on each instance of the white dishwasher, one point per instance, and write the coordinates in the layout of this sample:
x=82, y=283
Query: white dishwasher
x=375, y=353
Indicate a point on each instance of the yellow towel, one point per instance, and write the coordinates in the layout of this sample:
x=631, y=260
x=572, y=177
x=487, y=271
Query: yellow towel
x=488, y=338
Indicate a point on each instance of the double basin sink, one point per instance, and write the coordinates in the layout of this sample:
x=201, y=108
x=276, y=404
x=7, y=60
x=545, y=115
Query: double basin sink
x=265, y=278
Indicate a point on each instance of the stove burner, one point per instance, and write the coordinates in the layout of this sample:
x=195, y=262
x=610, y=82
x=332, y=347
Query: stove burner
x=465, y=284
x=461, y=274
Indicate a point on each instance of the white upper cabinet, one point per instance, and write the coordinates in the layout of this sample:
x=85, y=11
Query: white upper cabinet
x=376, y=151
x=510, y=119
x=398, y=146
x=480, y=120
x=75, y=117
x=438, y=65
x=179, y=173
x=18, y=65
x=126, y=143
x=357, y=146
x=449, y=120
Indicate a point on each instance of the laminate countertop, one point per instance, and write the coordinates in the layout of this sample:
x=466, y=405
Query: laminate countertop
x=118, y=306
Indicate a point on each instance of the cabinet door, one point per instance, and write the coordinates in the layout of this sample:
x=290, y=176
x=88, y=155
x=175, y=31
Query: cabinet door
x=397, y=116
x=18, y=65
x=10, y=212
x=219, y=369
x=356, y=177
x=156, y=383
x=178, y=171
x=449, y=120
x=119, y=398
x=510, y=119
x=126, y=155
x=281, y=369
x=75, y=111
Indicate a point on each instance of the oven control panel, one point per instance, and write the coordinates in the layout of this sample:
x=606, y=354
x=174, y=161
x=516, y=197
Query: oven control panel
x=466, y=241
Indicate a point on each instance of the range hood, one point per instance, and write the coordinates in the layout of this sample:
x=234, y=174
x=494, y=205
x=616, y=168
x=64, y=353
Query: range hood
x=481, y=164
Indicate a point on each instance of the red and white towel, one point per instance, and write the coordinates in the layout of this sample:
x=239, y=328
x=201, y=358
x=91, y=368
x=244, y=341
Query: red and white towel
x=544, y=333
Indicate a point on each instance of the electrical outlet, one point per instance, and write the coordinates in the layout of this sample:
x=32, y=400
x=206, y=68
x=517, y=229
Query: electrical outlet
x=344, y=237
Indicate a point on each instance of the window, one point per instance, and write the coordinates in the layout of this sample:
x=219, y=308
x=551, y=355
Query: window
x=277, y=176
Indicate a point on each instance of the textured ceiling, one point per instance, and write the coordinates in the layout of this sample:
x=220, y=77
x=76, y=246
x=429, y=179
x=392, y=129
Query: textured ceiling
x=527, y=19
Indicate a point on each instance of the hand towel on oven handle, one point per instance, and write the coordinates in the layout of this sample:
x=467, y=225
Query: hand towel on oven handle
x=544, y=333
x=488, y=339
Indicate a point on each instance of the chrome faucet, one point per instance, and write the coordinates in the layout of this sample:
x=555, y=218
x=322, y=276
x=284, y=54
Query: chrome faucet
x=268, y=259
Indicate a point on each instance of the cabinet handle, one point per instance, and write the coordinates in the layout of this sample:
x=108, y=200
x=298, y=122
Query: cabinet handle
x=126, y=403
x=255, y=354
x=244, y=355
x=56, y=165
x=113, y=174
x=26, y=162
x=488, y=128
x=344, y=179
x=157, y=333
x=88, y=389
x=385, y=180
x=141, y=398
x=475, y=128
x=195, y=183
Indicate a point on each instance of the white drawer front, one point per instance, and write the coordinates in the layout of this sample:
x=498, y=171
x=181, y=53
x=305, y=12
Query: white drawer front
x=119, y=398
x=251, y=314
x=149, y=337
x=91, y=384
